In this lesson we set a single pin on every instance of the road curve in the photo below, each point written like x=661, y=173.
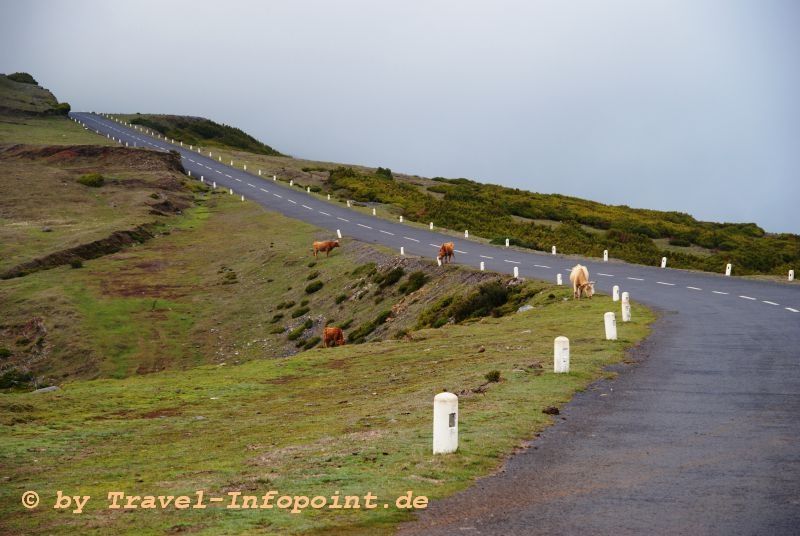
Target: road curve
x=702, y=437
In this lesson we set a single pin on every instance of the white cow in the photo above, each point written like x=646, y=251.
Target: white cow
x=580, y=282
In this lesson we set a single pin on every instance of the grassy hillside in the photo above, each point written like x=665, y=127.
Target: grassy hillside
x=201, y=131
x=20, y=95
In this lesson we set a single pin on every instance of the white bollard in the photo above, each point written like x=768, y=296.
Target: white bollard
x=291, y=182
x=791, y=275
x=259, y=172
x=231, y=191
x=219, y=159
x=663, y=262
x=274, y=177
x=209, y=153
x=466, y=233
x=516, y=272
x=728, y=269
x=554, y=250
x=191, y=148
x=173, y=141
x=401, y=219
x=308, y=189
x=242, y=198
x=126, y=144
x=329, y=197
x=445, y=423
x=374, y=213
x=202, y=179
x=231, y=162
x=611, y=326
x=348, y=203
x=338, y=233
x=605, y=255
x=626, y=307
x=245, y=167
x=431, y=226
x=402, y=250
x=558, y=280
x=561, y=355
x=483, y=266
x=508, y=242
x=214, y=184
x=615, y=293
x=190, y=173
x=438, y=261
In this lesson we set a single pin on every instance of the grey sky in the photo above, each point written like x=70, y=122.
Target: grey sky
x=687, y=105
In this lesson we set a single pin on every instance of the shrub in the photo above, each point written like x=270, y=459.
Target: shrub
x=313, y=287
x=276, y=318
x=92, y=180
x=414, y=282
x=311, y=343
x=276, y=330
x=285, y=305
x=303, y=303
x=76, y=262
x=364, y=270
x=5, y=353
x=15, y=378
x=316, y=189
x=682, y=242
x=492, y=376
x=340, y=298
x=358, y=335
x=300, y=312
x=347, y=324
x=312, y=275
x=296, y=332
x=62, y=108
x=23, y=78
x=312, y=264
x=384, y=172
x=389, y=278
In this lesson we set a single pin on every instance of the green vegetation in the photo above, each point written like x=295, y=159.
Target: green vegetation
x=389, y=277
x=93, y=180
x=314, y=287
x=23, y=78
x=300, y=311
x=492, y=376
x=201, y=131
x=414, y=282
x=359, y=335
x=299, y=330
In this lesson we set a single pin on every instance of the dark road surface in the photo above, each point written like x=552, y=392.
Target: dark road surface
x=701, y=437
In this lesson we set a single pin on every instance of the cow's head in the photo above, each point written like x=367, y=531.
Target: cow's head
x=589, y=288
x=335, y=244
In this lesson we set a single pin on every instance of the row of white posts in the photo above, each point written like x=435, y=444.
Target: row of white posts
x=728, y=266
x=445, y=405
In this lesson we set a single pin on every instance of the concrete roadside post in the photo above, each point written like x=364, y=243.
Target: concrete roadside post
x=605, y=255
x=338, y=233
x=558, y=280
x=554, y=250
x=626, y=307
x=728, y=268
x=445, y=423
x=516, y=272
x=402, y=251
x=663, y=262
x=615, y=293
x=561, y=355
x=610, y=321
x=483, y=266
x=791, y=275
x=431, y=226
x=466, y=233
x=507, y=242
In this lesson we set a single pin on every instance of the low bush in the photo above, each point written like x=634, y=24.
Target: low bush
x=5, y=353
x=92, y=180
x=313, y=287
x=340, y=298
x=300, y=312
x=311, y=343
x=276, y=318
x=389, y=278
x=492, y=376
x=359, y=334
x=299, y=330
x=23, y=78
x=285, y=305
x=312, y=275
x=414, y=282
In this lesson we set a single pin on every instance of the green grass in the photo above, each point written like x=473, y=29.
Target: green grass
x=353, y=419
x=24, y=97
x=47, y=131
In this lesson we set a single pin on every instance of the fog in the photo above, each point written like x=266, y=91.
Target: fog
x=687, y=105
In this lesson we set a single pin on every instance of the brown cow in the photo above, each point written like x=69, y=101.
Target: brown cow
x=580, y=282
x=326, y=246
x=332, y=336
x=446, y=252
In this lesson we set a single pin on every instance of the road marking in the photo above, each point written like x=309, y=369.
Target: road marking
x=606, y=275
x=512, y=262
x=218, y=171
x=306, y=206
x=747, y=297
x=251, y=185
x=293, y=202
x=229, y=176
x=364, y=226
x=386, y=232
x=486, y=257
x=718, y=292
x=459, y=251
x=668, y=284
x=433, y=245
x=324, y=213
x=542, y=266
x=635, y=278
x=276, y=195
x=694, y=288
x=338, y=218
x=792, y=310
x=769, y=302
x=237, y=180
x=263, y=190
x=412, y=239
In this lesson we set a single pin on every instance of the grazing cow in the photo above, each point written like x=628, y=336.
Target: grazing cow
x=332, y=337
x=580, y=282
x=446, y=252
x=326, y=246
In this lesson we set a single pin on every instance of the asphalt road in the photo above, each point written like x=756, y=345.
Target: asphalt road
x=701, y=437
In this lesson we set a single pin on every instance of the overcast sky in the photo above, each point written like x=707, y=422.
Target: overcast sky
x=688, y=105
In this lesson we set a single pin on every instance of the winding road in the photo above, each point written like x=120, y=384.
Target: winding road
x=701, y=437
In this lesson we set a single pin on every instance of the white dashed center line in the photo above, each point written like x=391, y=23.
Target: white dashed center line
x=747, y=298
x=604, y=275
x=293, y=202
x=542, y=266
x=364, y=226
x=769, y=302
x=635, y=278
x=486, y=257
x=276, y=195
x=433, y=245
x=694, y=288
x=306, y=206
x=325, y=213
x=412, y=239
x=718, y=292
x=263, y=190
x=338, y=218
x=792, y=310
x=251, y=185
x=459, y=251
x=668, y=284
x=386, y=232
x=512, y=262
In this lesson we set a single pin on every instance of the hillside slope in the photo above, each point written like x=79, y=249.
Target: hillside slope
x=26, y=98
